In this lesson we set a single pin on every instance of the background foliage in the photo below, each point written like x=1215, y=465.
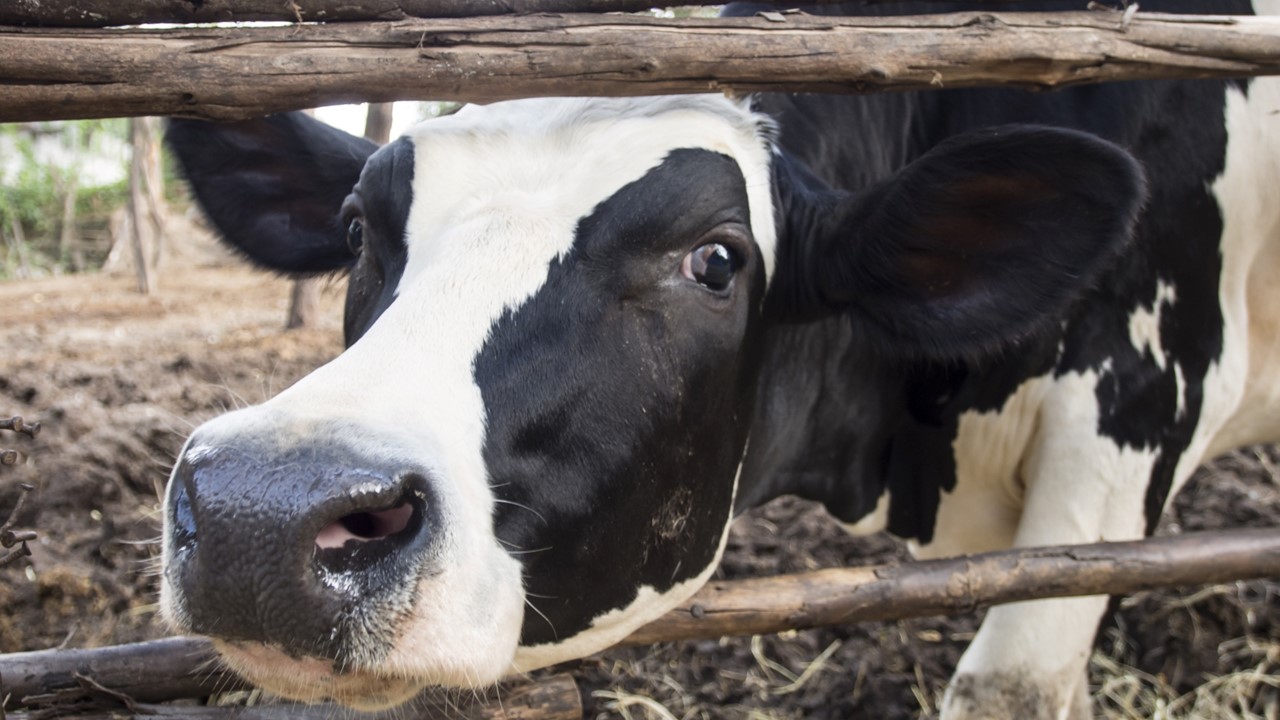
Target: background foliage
x=55, y=174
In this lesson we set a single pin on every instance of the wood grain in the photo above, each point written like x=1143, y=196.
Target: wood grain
x=235, y=73
x=108, y=13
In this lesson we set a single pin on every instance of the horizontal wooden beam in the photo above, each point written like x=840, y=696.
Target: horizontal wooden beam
x=550, y=698
x=235, y=73
x=186, y=667
x=109, y=13
x=951, y=586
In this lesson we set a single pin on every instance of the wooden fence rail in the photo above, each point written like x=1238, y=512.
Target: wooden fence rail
x=551, y=698
x=231, y=73
x=185, y=667
x=108, y=13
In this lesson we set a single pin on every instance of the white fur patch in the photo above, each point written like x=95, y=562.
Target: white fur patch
x=1243, y=393
x=982, y=512
x=1144, y=324
x=518, y=176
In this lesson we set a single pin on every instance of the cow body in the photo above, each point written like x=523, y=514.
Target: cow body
x=1080, y=436
x=584, y=333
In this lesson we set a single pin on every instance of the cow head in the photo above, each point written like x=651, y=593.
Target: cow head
x=554, y=319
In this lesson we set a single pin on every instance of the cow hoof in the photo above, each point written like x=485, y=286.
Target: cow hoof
x=1013, y=696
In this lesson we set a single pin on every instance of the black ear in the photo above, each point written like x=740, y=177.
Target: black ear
x=274, y=186
x=982, y=241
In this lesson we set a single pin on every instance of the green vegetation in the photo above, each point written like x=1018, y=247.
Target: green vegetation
x=60, y=183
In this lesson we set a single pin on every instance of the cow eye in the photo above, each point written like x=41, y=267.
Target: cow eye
x=711, y=265
x=355, y=236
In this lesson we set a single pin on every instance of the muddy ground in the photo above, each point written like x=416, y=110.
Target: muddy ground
x=117, y=379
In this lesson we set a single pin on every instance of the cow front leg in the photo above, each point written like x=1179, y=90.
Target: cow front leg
x=1013, y=669
x=1029, y=660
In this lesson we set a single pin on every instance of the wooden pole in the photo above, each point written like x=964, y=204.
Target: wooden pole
x=153, y=192
x=951, y=586
x=153, y=671
x=185, y=667
x=304, y=303
x=108, y=13
x=377, y=122
x=146, y=223
x=235, y=73
x=553, y=698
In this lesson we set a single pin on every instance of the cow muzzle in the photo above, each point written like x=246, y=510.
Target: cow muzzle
x=290, y=548
x=321, y=564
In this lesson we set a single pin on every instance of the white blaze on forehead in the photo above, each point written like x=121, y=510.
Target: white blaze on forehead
x=499, y=189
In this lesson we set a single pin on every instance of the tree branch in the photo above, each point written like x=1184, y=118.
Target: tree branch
x=552, y=698
x=108, y=13
x=959, y=585
x=186, y=667
x=242, y=72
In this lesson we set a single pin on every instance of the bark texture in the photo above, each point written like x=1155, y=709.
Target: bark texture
x=235, y=73
x=552, y=698
x=106, y=13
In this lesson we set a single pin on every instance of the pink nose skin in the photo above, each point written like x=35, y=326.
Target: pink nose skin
x=365, y=526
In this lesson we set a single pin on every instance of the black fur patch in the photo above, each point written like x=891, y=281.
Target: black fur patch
x=381, y=201
x=618, y=400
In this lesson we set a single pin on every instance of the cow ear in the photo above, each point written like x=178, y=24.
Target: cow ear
x=274, y=186
x=982, y=241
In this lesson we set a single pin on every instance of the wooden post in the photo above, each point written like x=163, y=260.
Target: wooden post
x=68, y=185
x=377, y=122
x=304, y=303
x=145, y=212
x=153, y=186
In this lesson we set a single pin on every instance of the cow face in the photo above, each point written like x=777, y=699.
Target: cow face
x=546, y=310
x=555, y=313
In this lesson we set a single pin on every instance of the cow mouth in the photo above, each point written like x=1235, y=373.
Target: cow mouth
x=314, y=679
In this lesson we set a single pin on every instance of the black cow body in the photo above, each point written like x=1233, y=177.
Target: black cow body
x=584, y=333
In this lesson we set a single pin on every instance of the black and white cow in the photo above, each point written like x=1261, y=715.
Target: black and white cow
x=584, y=334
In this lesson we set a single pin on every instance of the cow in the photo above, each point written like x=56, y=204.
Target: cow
x=583, y=334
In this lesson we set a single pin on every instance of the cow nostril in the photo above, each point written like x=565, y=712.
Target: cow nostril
x=182, y=517
x=366, y=526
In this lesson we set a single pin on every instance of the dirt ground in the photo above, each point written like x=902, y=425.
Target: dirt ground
x=117, y=379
